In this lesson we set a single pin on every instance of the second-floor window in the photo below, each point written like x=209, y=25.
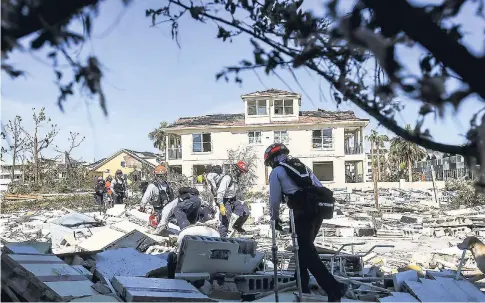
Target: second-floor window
x=257, y=108
x=201, y=143
x=283, y=107
x=322, y=138
x=254, y=137
x=281, y=136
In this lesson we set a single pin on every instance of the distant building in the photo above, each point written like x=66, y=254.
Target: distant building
x=125, y=159
x=330, y=143
x=6, y=174
x=445, y=166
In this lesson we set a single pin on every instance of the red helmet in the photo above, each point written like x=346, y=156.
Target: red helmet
x=160, y=170
x=243, y=166
x=273, y=150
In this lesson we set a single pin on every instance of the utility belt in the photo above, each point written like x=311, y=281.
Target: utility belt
x=312, y=201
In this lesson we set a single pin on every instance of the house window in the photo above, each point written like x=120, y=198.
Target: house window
x=254, y=137
x=281, y=136
x=323, y=170
x=123, y=164
x=257, y=108
x=283, y=107
x=322, y=139
x=201, y=143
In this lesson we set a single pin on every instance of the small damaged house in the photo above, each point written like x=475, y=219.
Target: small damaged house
x=329, y=142
x=127, y=160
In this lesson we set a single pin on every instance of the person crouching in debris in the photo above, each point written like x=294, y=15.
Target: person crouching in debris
x=118, y=187
x=185, y=208
x=99, y=190
x=228, y=203
x=293, y=181
x=158, y=193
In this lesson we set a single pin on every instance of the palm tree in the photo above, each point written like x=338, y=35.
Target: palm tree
x=158, y=136
x=406, y=152
x=380, y=140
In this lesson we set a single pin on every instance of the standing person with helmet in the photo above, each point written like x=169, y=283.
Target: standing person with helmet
x=118, y=187
x=294, y=182
x=158, y=193
x=228, y=203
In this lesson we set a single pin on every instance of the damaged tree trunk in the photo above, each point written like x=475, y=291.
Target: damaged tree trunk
x=374, y=177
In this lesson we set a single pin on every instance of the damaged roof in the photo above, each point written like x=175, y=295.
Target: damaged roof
x=140, y=156
x=268, y=92
x=306, y=117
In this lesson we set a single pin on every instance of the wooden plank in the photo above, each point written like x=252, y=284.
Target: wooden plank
x=399, y=297
x=428, y=292
x=450, y=285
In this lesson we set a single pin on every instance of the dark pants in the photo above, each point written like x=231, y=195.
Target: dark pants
x=236, y=207
x=307, y=225
x=187, y=212
x=99, y=199
x=118, y=198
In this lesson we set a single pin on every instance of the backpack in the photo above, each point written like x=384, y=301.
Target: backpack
x=217, y=183
x=164, y=194
x=119, y=187
x=100, y=189
x=319, y=199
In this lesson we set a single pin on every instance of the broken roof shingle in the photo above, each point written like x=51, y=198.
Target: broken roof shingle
x=271, y=91
x=306, y=117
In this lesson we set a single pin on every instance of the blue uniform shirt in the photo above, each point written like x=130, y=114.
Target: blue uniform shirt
x=281, y=184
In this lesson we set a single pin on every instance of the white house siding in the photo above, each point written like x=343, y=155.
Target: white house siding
x=300, y=145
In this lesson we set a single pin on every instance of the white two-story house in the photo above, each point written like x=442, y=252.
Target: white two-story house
x=330, y=143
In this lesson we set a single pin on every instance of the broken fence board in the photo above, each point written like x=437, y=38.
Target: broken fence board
x=399, y=297
x=428, y=292
x=136, y=289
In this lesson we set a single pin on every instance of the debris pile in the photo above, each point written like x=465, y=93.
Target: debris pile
x=407, y=251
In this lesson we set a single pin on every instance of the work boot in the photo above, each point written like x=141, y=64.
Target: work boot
x=239, y=229
x=338, y=295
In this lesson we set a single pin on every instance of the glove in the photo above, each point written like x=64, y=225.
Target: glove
x=278, y=225
x=222, y=209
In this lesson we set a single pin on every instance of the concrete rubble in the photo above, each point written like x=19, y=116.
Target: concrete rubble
x=406, y=252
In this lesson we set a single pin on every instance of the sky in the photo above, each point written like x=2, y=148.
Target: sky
x=149, y=79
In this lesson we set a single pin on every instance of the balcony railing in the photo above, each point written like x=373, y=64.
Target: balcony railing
x=354, y=150
x=174, y=153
